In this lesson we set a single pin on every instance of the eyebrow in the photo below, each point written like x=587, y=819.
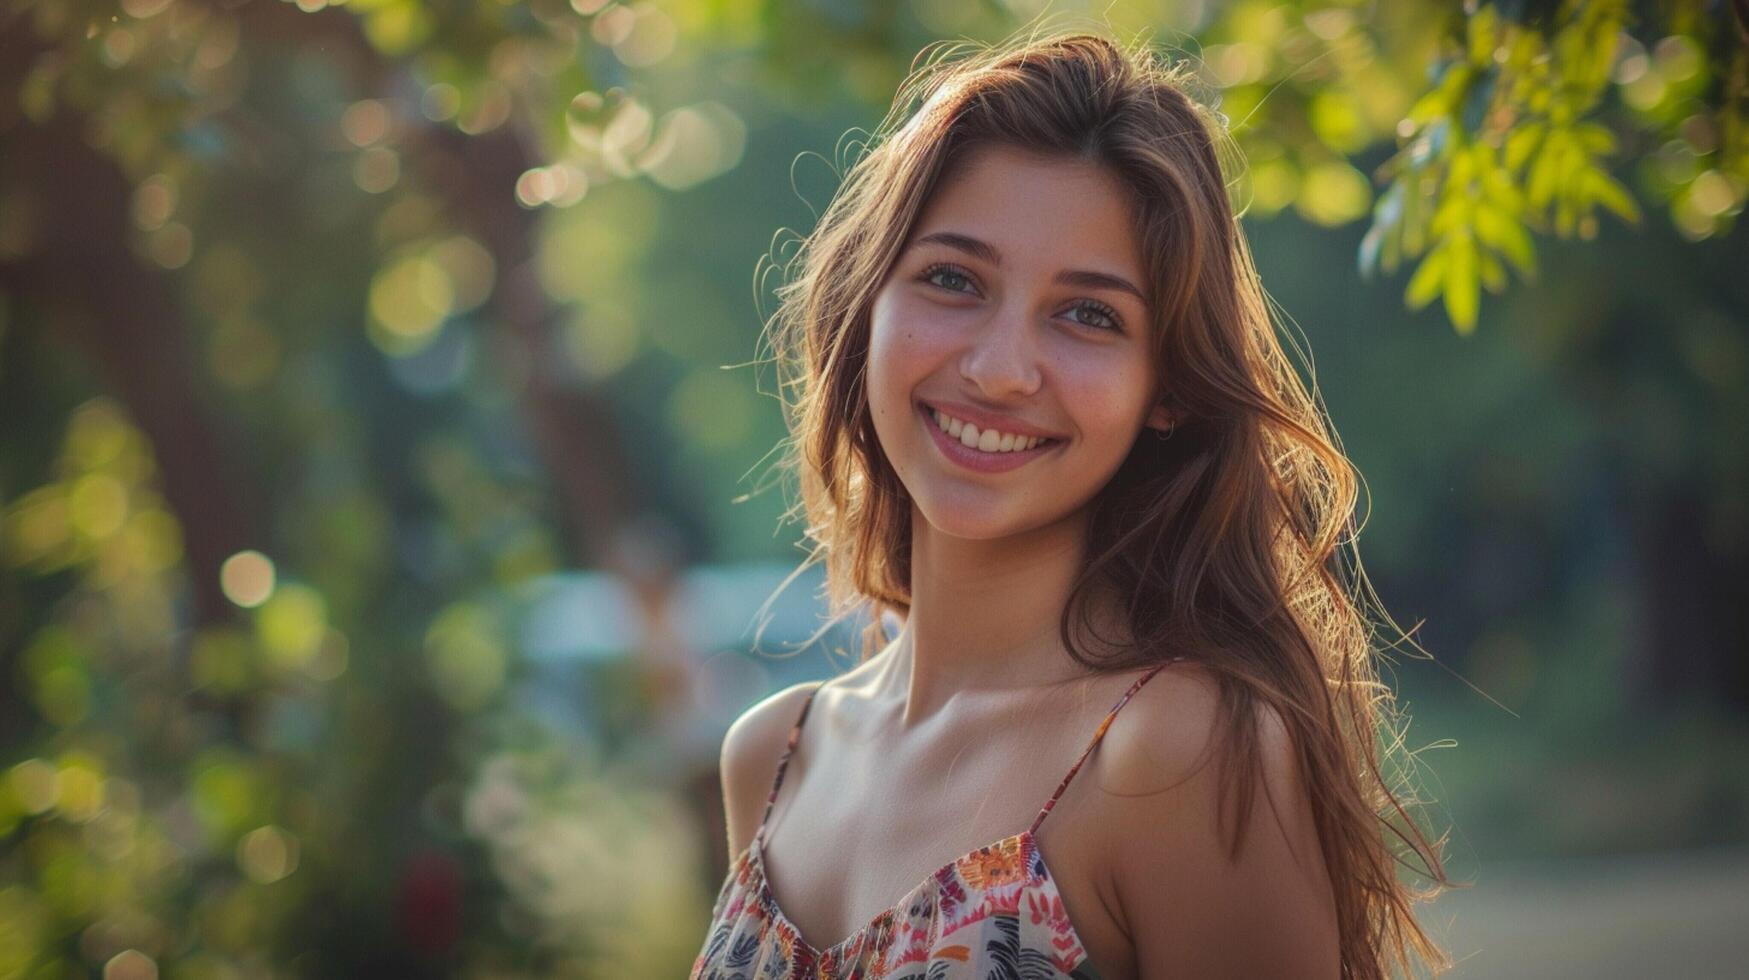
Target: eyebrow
x=987, y=252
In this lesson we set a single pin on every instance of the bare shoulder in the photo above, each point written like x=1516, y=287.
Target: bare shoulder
x=1164, y=735
x=1171, y=736
x=1191, y=905
x=751, y=749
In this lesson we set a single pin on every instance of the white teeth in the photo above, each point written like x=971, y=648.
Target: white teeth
x=989, y=440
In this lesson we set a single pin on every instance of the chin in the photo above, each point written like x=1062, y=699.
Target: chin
x=971, y=517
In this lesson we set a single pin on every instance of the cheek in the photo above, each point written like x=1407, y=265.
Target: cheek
x=1104, y=393
x=905, y=343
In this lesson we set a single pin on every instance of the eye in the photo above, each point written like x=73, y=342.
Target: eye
x=946, y=271
x=1109, y=315
x=943, y=274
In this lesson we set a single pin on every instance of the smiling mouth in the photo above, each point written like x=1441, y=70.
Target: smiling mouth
x=993, y=443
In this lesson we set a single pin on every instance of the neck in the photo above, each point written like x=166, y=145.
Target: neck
x=985, y=614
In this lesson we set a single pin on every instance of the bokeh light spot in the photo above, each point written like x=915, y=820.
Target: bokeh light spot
x=1679, y=58
x=172, y=245
x=247, y=578
x=102, y=438
x=79, y=792
x=36, y=784
x=650, y=39
x=291, y=625
x=226, y=793
x=470, y=270
x=60, y=678
x=119, y=46
x=376, y=170
x=1333, y=193
x=154, y=202
x=145, y=8
x=267, y=854
x=1712, y=193
x=397, y=28
x=613, y=25
x=1274, y=184
x=491, y=107
x=440, y=101
x=130, y=964
x=408, y=299
x=466, y=656
x=694, y=144
x=536, y=187
x=603, y=341
x=364, y=122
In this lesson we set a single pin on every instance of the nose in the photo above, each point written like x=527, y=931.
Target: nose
x=1003, y=359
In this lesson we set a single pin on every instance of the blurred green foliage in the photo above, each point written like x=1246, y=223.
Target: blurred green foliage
x=328, y=332
x=1507, y=141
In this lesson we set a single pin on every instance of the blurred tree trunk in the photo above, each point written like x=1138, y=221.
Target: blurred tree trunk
x=1696, y=603
x=125, y=320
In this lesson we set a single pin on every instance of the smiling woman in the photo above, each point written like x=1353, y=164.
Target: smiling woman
x=1046, y=254
x=1039, y=246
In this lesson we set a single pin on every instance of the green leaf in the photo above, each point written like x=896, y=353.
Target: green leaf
x=1429, y=107
x=1455, y=208
x=1461, y=286
x=1392, y=254
x=1501, y=232
x=1484, y=34
x=1574, y=160
x=1414, y=216
x=1544, y=177
x=1370, y=244
x=1498, y=188
x=1522, y=142
x=1566, y=216
x=1463, y=164
x=1604, y=189
x=1598, y=139
x=1425, y=283
x=1493, y=273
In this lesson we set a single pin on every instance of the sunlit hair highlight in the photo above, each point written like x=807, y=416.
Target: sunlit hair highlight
x=1232, y=543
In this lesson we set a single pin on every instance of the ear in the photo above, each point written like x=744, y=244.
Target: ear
x=1161, y=418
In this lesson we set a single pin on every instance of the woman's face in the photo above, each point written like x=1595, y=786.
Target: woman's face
x=1014, y=306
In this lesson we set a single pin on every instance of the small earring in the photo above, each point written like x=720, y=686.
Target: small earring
x=1166, y=433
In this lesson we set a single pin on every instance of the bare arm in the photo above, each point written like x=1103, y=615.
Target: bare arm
x=1191, y=909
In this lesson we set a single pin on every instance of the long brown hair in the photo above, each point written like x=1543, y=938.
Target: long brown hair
x=1231, y=543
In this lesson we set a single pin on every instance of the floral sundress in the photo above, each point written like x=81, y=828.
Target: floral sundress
x=993, y=913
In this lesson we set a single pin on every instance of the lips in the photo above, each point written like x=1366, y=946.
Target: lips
x=976, y=459
x=989, y=420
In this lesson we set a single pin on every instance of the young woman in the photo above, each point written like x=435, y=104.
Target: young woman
x=1043, y=418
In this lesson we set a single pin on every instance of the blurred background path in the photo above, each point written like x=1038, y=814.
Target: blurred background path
x=1635, y=917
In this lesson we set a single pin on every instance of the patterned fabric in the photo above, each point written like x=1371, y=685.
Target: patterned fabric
x=992, y=914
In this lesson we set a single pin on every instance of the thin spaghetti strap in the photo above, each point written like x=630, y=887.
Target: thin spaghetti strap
x=795, y=734
x=1094, y=743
